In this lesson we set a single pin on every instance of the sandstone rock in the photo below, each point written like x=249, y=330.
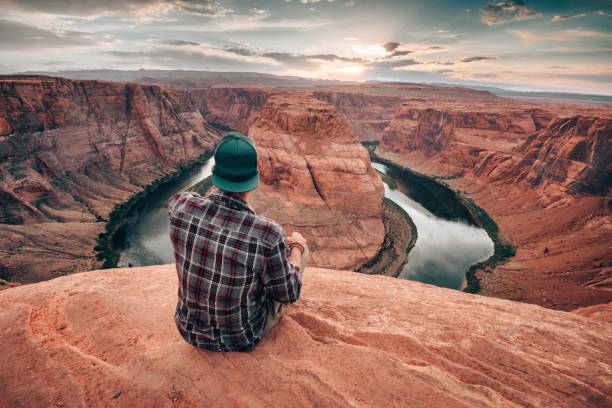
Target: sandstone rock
x=602, y=312
x=351, y=340
x=317, y=179
x=574, y=152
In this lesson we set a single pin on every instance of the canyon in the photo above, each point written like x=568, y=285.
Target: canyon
x=541, y=171
x=72, y=150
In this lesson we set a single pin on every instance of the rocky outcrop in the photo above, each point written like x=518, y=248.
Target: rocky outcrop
x=108, y=337
x=317, y=179
x=575, y=152
x=542, y=173
x=71, y=150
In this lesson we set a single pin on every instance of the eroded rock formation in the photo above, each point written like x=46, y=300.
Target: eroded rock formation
x=106, y=338
x=317, y=179
x=71, y=150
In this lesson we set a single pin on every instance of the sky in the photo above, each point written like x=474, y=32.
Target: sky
x=562, y=45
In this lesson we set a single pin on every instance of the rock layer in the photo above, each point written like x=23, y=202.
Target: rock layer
x=351, y=340
x=316, y=178
x=71, y=150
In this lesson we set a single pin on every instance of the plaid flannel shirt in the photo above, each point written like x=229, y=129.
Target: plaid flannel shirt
x=228, y=261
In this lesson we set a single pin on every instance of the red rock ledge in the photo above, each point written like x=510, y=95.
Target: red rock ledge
x=351, y=340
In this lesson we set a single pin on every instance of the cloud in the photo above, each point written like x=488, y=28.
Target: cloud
x=393, y=64
x=249, y=22
x=474, y=59
x=310, y=61
x=566, y=35
x=390, y=46
x=210, y=59
x=561, y=18
x=240, y=49
x=400, y=53
x=16, y=36
x=138, y=8
x=181, y=43
x=505, y=11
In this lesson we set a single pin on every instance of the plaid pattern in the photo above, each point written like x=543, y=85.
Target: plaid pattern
x=228, y=261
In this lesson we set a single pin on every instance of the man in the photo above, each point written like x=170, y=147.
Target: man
x=235, y=269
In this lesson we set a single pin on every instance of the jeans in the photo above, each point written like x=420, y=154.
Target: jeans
x=275, y=309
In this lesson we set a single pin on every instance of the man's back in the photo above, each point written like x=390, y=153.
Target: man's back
x=228, y=261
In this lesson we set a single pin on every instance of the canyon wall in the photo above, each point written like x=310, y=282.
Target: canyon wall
x=71, y=150
x=367, y=114
x=107, y=338
x=316, y=178
x=236, y=108
x=543, y=173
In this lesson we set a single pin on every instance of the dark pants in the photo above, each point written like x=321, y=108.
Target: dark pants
x=275, y=309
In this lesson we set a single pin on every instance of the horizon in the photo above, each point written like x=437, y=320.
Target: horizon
x=524, y=46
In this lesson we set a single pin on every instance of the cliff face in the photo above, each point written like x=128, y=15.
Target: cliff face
x=575, y=152
x=460, y=135
x=350, y=340
x=542, y=173
x=236, y=108
x=70, y=150
x=317, y=179
x=367, y=114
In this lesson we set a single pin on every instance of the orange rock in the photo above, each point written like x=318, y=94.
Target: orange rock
x=351, y=340
x=317, y=179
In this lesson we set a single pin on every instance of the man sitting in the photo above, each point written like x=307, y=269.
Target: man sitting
x=235, y=269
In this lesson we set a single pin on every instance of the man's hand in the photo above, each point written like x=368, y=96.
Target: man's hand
x=297, y=256
x=297, y=238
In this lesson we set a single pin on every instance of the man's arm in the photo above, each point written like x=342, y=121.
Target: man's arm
x=283, y=274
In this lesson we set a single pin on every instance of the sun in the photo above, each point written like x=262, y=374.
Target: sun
x=351, y=69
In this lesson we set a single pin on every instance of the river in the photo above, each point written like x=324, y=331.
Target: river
x=443, y=251
x=147, y=240
x=444, y=248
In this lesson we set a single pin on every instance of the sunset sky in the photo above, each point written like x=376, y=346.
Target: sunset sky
x=524, y=45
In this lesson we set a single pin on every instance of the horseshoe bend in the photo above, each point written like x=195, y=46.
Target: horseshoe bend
x=78, y=156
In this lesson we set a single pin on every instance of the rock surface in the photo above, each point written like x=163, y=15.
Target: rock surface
x=351, y=340
x=316, y=178
x=70, y=151
x=542, y=173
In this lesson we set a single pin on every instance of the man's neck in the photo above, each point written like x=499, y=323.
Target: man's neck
x=243, y=196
